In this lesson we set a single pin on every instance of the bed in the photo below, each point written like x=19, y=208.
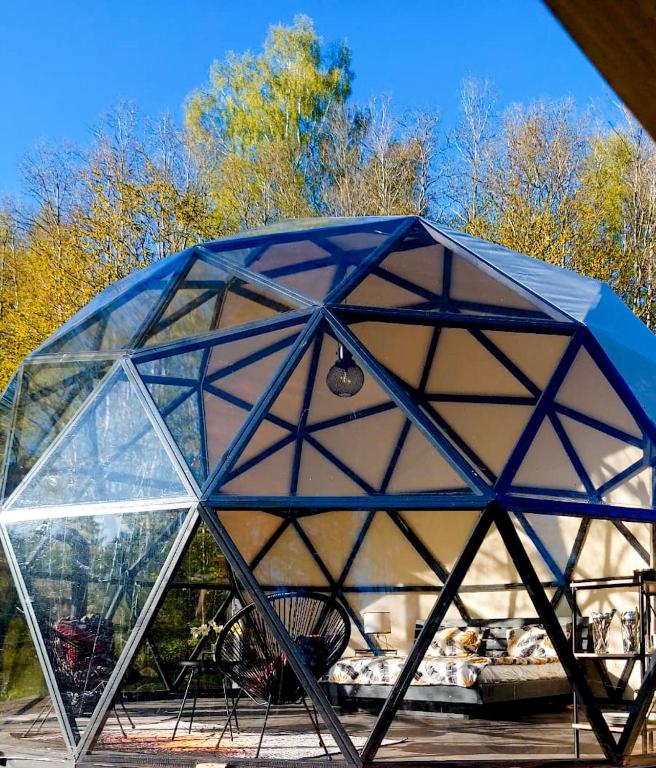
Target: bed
x=488, y=677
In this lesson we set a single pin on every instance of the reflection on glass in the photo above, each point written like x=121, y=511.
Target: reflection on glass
x=88, y=579
x=177, y=645
x=50, y=395
x=315, y=264
x=205, y=395
x=112, y=453
x=27, y=719
x=6, y=403
x=208, y=298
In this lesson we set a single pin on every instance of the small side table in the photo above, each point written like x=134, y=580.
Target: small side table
x=192, y=669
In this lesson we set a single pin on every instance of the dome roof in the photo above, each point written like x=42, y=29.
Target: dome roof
x=480, y=374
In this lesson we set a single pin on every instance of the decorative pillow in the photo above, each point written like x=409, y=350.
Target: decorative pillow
x=453, y=641
x=530, y=641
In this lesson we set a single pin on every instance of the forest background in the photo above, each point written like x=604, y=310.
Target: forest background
x=276, y=135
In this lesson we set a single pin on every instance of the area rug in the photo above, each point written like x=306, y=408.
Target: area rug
x=275, y=746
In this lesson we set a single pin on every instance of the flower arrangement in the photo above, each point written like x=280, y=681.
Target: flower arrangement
x=204, y=630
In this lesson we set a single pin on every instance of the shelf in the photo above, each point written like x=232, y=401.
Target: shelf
x=609, y=656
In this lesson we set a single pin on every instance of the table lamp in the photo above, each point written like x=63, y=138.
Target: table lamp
x=377, y=624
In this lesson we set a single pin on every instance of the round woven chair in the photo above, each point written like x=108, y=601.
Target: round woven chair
x=248, y=653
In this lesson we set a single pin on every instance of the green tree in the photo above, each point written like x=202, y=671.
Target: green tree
x=256, y=127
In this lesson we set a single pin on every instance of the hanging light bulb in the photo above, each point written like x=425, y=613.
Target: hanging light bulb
x=345, y=378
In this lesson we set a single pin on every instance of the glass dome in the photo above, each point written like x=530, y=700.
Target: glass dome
x=364, y=408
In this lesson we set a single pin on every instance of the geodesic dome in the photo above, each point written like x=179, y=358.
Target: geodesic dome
x=317, y=392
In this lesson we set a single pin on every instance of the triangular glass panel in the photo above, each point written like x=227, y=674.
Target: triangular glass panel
x=6, y=412
x=116, y=318
x=200, y=594
x=88, y=578
x=421, y=273
x=182, y=642
x=315, y=263
x=206, y=394
x=111, y=452
x=209, y=298
x=312, y=442
x=326, y=553
x=50, y=395
x=27, y=717
x=476, y=661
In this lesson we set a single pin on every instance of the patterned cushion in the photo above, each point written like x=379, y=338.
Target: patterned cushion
x=530, y=641
x=453, y=641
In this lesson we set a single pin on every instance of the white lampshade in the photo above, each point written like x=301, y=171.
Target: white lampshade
x=377, y=622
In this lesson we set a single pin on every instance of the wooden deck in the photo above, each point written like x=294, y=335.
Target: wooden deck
x=414, y=736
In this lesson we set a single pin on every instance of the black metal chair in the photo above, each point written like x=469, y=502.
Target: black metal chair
x=248, y=653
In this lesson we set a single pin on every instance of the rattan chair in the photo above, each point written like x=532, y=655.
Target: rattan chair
x=248, y=653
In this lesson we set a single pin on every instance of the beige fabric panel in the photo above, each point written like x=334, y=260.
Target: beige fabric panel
x=636, y=491
x=586, y=389
x=319, y=477
x=421, y=468
x=603, y=456
x=333, y=535
x=422, y=266
x=399, y=347
x=239, y=310
x=223, y=356
x=387, y=557
x=557, y=533
x=271, y=476
x=492, y=563
x=374, y=291
x=365, y=445
x=222, y=422
x=463, y=366
x=546, y=465
x=469, y=283
x=249, y=530
x=491, y=431
x=535, y=354
x=289, y=563
x=606, y=553
x=444, y=534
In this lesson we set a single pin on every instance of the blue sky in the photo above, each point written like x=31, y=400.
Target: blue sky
x=63, y=64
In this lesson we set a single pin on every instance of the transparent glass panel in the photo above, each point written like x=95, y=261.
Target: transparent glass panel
x=179, y=641
x=205, y=395
x=420, y=273
x=155, y=277
x=27, y=719
x=208, y=298
x=116, y=318
x=314, y=554
x=6, y=404
x=315, y=442
x=480, y=663
x=50, y=395
x=186, y=678
x=88, y=579
x=110, y=453
x=315, y=264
